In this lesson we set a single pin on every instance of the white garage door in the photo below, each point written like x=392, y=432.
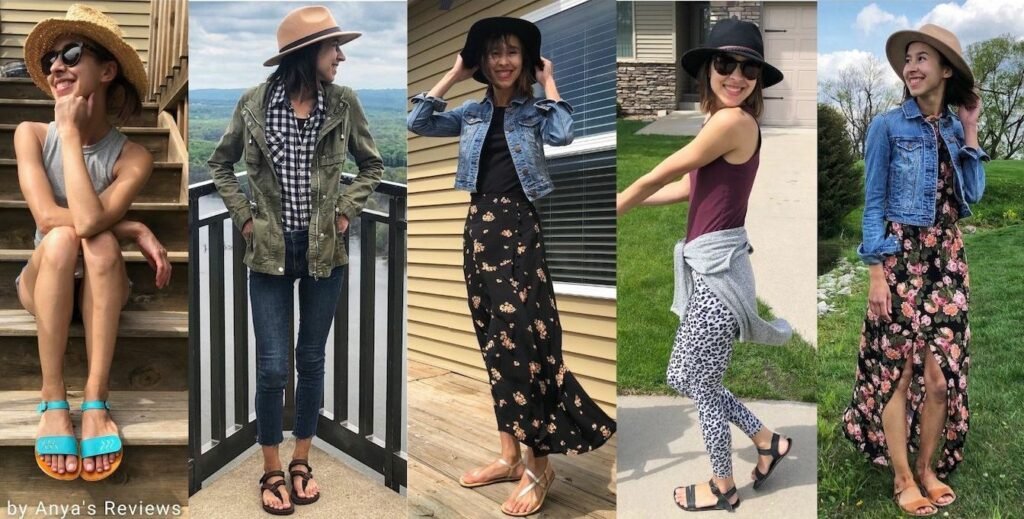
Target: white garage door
x=790, y=41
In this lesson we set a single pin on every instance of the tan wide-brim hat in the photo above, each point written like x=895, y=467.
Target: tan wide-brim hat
x=944, y=41
x=87, y=21
x=305, y=26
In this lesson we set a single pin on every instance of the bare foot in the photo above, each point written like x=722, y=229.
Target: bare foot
x=519, y=505
x=95, y=423
x=278, y=500
x=703, y=496
x=57, y=422
x=494, y=470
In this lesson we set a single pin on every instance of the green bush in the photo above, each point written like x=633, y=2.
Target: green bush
x=839, y=180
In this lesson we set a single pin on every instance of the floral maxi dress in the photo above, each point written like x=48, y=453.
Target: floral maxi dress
x=930, y=288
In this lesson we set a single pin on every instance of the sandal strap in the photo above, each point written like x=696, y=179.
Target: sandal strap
x=89, y=405
x=299, y=461
x=271, y=474
x=45, y=406
x=723, y=497
x=272, y=487
x=691, y=496
x=773, y=451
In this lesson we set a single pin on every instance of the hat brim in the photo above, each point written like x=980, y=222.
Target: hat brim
x=46, y=32
x=526, y=31
x=695, y=59
x=896, y=52
x=344, y=37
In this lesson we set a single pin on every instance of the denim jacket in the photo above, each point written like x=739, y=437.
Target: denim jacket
x=529, y=124
x=901, y=164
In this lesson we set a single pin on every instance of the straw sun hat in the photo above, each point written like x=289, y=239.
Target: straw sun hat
x=305, y=26
x=87, y=21
x=941, y=39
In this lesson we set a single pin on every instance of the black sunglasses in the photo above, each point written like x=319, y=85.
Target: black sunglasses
x=71, y=54
x=725, y=65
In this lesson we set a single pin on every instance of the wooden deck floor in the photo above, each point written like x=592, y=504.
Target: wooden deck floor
x=451, y=430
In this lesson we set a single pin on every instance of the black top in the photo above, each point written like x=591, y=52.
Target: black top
x=301, y=122
x=497, y=173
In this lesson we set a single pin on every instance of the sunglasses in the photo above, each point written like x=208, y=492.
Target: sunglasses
x=725, y=65
x=70, y=55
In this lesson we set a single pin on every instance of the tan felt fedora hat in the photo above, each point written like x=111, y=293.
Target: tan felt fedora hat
x=944, y=41
x=305, y=26
x=87, y=21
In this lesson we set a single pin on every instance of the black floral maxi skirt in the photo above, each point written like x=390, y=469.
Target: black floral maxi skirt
x=930, y=286
x=536, y=398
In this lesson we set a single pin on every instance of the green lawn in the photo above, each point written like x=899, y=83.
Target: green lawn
x=990, y=482
x=646, y=326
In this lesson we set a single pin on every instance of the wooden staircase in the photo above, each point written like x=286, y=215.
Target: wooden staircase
x=149, y=393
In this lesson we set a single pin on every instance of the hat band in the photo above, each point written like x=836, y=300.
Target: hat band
x=745, y=49
x=306, y=39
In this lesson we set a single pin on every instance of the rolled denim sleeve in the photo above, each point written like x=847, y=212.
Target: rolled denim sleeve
x=429, y=119
x=974, y=173
x=556, y=128
x=876, y=181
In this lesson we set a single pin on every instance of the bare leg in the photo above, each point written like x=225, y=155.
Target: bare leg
x=50, y=277
x=301, y=452
x=272, y=461
x=933, y=421
x=104, y=291
x=541, y=467
x=510, y=452
x=894, y=423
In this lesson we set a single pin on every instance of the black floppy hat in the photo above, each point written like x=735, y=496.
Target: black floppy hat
x=734, y=37
x=528, y=33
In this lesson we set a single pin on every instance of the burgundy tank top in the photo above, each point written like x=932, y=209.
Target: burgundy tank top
x=719, y=193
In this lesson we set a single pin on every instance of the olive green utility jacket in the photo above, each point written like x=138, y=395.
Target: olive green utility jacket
x=344, y=130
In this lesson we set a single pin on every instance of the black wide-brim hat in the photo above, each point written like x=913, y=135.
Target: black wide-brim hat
x=527, y=32
x=732, y=36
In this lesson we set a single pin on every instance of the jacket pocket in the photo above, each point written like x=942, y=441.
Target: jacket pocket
x=905, y=168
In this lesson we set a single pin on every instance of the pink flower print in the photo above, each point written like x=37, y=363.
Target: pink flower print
x=917, y=282
x=950, y=310
x=908, y=309
x=946, y=280
x=886, y=386
x=930, y=241
x=953, y=266
x=917, y=269
x=930, y=307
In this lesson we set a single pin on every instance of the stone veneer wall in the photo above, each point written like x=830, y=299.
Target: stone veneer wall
x=747, y=11
x=645, y=88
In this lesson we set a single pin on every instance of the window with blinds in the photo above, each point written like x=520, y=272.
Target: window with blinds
x=579, y=216
x=624, y=37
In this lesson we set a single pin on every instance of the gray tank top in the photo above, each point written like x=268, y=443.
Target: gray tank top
x=99, y=161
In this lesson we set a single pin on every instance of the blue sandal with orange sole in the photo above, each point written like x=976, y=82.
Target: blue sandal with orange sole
x=100, y=445
x=65, y=445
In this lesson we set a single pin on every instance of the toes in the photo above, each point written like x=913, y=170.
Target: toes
x=88, y=465
x=71, y=463
x=60, y=465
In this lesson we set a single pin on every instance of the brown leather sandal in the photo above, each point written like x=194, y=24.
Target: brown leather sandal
x=273, y=488
x=911, y=507
x=306, y=476
x=936, y=492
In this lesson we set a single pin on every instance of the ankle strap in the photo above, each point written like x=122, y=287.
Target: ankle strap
x=45, y=406
x=95, y=404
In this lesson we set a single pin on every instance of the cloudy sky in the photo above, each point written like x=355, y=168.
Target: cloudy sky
x=229, y=41
x=849, y=31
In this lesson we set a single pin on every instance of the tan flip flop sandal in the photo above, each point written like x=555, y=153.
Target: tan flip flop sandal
x=545, y=481
x=501, y=479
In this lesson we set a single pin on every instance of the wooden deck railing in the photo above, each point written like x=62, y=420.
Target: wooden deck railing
x=168, y=60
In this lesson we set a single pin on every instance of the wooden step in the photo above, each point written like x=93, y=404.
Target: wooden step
x=164, y=183
x=154, y=139
x=169, y=221
x=14, y=111
x=154, y=428
x=20, y=88
x=152, y=324
x=144, y=295
x=145, y=417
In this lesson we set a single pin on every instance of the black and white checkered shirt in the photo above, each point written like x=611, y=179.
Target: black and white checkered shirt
x=292, y=150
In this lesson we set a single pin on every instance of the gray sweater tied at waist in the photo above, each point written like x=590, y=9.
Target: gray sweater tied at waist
x=723, y=259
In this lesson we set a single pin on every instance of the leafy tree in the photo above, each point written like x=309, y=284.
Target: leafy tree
x=998, y=66
x=839, y=180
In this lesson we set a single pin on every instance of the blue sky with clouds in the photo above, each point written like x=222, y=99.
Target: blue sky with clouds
x=229, y=41
x=850, y=30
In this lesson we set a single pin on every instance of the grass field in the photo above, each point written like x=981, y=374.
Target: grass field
x=646, y=326
x=990, y=482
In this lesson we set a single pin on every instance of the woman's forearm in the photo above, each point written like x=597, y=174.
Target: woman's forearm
x=672, y=193
x=84, y=204
x=443, y=86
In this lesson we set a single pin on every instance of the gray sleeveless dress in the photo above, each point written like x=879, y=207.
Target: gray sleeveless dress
x=99, y=161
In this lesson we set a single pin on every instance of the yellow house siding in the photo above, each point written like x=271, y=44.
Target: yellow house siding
x=18, y=17
x=655, y=32
x=440, y=329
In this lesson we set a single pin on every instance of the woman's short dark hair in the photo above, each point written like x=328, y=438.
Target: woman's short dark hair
x=753, y=104
x=959, y=90
x=297, y=70
x=524, y=83
x=123, y=101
